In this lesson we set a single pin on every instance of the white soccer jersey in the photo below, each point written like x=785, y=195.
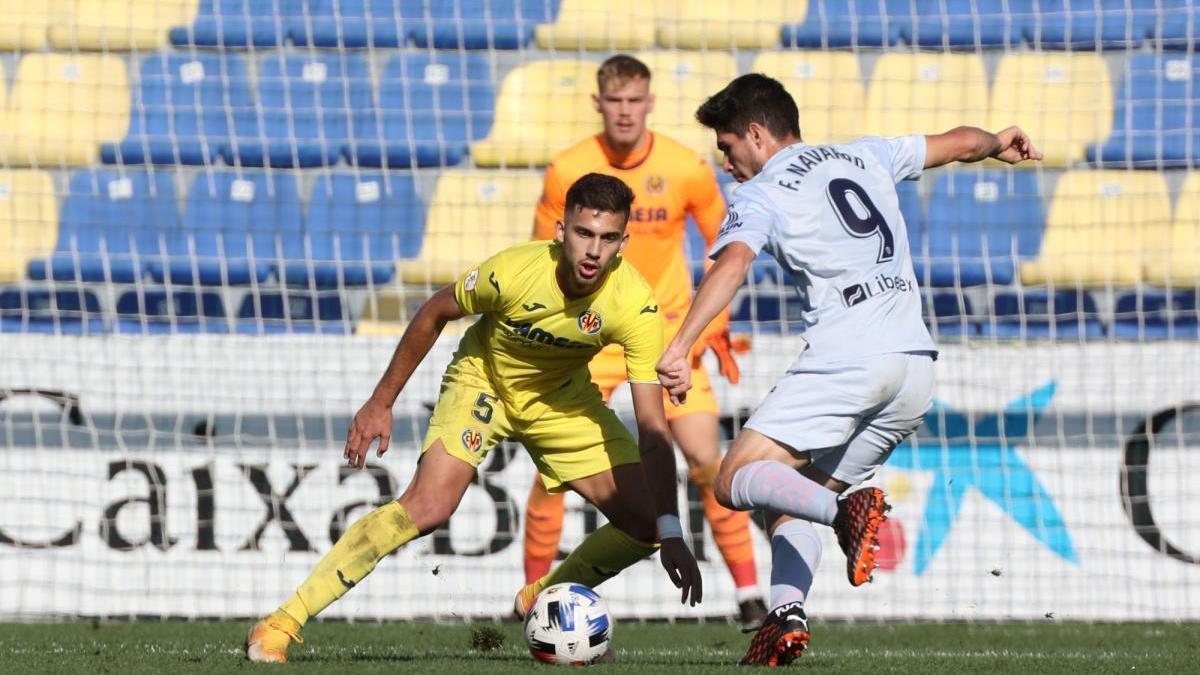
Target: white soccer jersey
x=830, y=216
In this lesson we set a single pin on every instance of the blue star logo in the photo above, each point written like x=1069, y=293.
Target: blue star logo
x=981, y=453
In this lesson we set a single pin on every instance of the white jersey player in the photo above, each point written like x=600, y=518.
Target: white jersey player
x=831, y=217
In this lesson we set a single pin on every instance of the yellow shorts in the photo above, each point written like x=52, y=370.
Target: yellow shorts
x=470, y=420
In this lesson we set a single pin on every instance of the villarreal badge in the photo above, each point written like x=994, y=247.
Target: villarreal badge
x=656, y=184
x=472, y=440
x=590, y=322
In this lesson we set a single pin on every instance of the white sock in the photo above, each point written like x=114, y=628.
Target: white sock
x=795, y=554
x=775, y=486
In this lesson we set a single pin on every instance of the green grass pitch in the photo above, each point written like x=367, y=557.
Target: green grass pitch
x=215, y=647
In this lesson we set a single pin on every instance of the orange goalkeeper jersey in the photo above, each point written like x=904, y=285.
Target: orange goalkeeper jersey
x=668, y=181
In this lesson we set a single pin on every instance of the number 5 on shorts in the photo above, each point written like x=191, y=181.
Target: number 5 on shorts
x=483, y=407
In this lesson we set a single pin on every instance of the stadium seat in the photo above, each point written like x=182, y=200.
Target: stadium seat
x=925, y=93
x=1178, y=266
x=238, y=23
x=182, y=107
x=543, y=107
x=355, y=23
x=359, y=224
x=827, y=87
x=119, y=25
x=155, y=311
x=1179, y=27
x=267, y=312
x=1156, y=121
x=303, y=114
x=114, y=223
x=431, y=106
x=28, y=220
x=473, y=214
x=233, y=227
x=607, y=26
x=1101, y=229
x=1055, y=315
x=1063, y=100
x=1086, y=24
x=60, y=310
x=681, y=81
x=23, y=25
x=482, y=24
x=718, y=24
x=979, y=225
x=760, y=312
x=949, y=316
x=1157, y=315
x=63, y=106
x=969, y=24
x=837, y=23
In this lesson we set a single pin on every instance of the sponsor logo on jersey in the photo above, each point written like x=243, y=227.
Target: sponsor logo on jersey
x=590, y=322
x=472, y=440
x=525, y=332
x=880, y=285
x=732, y=222
x=470, y=281
x=648, y=214
x=649, y=309
x=533, y=306
x=656, y=185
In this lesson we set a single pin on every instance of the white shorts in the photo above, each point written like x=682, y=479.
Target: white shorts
x=848, y=416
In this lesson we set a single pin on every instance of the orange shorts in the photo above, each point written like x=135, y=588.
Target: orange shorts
x=608, y=372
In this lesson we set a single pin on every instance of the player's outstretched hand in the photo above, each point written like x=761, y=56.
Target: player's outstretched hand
x=681, y=566
x=1016, y=147
x=675, y=374
x=373, y=420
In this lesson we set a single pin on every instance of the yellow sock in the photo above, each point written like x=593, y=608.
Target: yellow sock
x=600, y=557
x=351, y=559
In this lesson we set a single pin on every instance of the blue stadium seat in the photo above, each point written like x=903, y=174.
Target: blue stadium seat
x=949, y=316
x=483, y=24
x=238, y=23
x=304, y=111
x=156, y=311
x=112, y=224
x=293, y=312
x=1062, y=315
x=181, y=109
x=1180, y=24
x=970, y=24
x=356, y=23
x=863, y=23
x=1085, y=24
x=61, y=310
x=1156, y=120
x=431, y=106
x=358, y=226
x=1157, y=315
x=232, y=228
x=758, y=313
x=980, y=225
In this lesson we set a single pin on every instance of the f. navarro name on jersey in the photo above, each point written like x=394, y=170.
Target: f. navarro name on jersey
x=528, y=335
x=809, y=159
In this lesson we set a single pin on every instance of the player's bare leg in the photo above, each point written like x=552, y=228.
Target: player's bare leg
x=429, y=500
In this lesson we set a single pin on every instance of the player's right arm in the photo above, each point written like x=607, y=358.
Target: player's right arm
x=552, y=203
x=971, y=144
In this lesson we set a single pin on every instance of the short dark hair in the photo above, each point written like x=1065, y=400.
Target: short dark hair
x=620, y=68
x=753, y=97
x=598, y=192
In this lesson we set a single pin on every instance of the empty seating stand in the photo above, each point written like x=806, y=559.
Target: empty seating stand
x=238, y=23
x=1156, y=119
x=60, y=310
x=1039, y=315
x=28, y=220
x=157, y=311
x=293, y=311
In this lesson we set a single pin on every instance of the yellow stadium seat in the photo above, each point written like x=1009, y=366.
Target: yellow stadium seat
x=827, y=87
x=23, y=24
x=720, y=24
x=542, y=107
x=600, y=26
x=28, y=220
x=1063, y=100
x=473, y=215
x=680, y=82
x=925, y=93
x=1179, y=265
x=119, y=24
x=63, y=106
x=1102, y=229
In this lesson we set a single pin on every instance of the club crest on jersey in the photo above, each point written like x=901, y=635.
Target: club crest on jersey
x=472, y=440
x=656, y=184
x=590, y=322
x=472, y=278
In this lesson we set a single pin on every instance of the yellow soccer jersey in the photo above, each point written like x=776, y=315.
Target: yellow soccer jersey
x=534, y=345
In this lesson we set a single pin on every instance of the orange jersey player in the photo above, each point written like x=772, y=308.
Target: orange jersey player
x=670, y=182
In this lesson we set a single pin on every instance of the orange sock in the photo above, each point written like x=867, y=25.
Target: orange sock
x=731, y=529
x=543, y=529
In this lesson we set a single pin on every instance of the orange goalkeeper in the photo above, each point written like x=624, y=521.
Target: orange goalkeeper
x=669, y=181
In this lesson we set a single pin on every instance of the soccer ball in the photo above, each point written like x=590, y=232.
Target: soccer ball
x=569, y=624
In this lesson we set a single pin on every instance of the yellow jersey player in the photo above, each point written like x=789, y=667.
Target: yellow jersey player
x=521, y=372
x=669, y=181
